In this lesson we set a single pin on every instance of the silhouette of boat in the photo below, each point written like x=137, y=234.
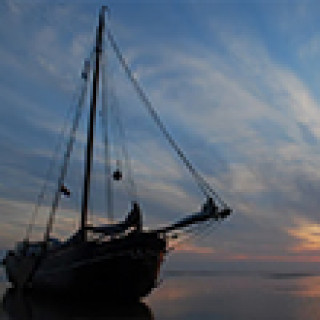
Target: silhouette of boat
x=18, y=305
x=122, y=257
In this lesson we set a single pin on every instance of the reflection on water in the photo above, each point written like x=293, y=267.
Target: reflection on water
x=19, y=306
x=307, y=286
x=191, y=296
x=285, y=296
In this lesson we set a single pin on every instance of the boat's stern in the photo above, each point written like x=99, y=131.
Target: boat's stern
x=19, y=269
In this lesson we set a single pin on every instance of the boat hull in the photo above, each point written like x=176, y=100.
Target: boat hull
x=125, y=269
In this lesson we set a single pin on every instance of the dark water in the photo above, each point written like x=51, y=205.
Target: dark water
x=191, y=295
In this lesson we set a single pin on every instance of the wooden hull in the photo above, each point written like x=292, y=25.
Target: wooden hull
x=121, y=269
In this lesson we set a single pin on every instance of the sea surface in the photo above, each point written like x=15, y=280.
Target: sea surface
x=189, y=295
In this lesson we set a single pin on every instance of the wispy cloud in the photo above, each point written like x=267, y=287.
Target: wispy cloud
x=307, y=235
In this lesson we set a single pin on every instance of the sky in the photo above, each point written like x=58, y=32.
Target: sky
x=235, y=82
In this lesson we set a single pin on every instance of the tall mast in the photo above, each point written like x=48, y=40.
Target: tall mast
x=91, y=124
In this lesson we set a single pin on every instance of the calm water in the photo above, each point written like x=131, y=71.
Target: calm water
x=192, y=296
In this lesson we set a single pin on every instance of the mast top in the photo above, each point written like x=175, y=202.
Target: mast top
x=104, y=10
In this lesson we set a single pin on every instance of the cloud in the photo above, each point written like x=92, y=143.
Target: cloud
x=307, y=235
x=62, y=62
x=13, y=7
x=245, y=180
x=311, y=48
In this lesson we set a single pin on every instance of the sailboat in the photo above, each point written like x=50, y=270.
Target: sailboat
x=121, y=259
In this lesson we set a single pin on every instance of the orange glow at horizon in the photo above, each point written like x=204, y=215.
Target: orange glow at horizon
x=273, y=258
x=308, y=235
x=190, y=248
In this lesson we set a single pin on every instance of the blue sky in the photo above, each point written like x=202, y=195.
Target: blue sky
x=235, y=82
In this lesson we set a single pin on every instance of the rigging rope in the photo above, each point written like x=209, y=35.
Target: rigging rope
x=204, y=186
x=112, y=122
x=131, y=187
x=195, y=232
x=105, y=127
x=67, y=155
x=50, y=169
